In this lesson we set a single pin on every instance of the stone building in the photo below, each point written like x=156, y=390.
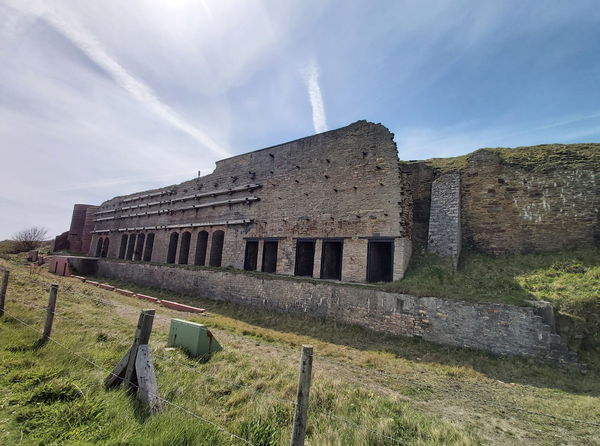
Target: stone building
x=340, y=205
x=331, y=206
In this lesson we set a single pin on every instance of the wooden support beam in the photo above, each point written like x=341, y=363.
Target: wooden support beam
x=148, y=387
x=136, y=369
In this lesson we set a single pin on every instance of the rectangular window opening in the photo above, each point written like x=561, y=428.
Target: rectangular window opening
x=380, y=261
x=305, y=258
x=269, y=263
x=251, y=256
x=331, y=260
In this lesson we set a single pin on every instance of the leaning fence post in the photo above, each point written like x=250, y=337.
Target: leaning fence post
x=301, y=415
x=50, y=313
x=3, y=290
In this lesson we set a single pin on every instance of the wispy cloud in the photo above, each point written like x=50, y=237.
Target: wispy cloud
x=315, y=96
x=94, y=49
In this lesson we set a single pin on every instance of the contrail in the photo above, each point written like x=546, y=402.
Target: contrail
x=94, y=49
x=316, y=99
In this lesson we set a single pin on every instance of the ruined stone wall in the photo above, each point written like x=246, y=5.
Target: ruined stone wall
x=501, y=329
x=343, y=184
x=507, y=208
x=419, y=177
x=444, y=224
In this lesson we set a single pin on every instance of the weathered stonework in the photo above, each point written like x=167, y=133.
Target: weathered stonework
x=500, y=329
x=341, y=191
x=444, y=222
x=506, y=208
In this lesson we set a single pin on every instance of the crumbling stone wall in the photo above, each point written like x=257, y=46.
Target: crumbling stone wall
x=506, y=208
x=419, y=177
x=343, y=185
x=500, y=329
x=444, y=222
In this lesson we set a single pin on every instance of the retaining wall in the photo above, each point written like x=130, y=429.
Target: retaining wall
x=500, y=329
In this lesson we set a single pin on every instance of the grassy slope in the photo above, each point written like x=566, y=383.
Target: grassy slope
x=534, y=158
x=569, y=280
x=48, y=396
x=416, y=391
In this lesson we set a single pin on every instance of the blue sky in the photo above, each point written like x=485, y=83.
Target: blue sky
x=105, y=98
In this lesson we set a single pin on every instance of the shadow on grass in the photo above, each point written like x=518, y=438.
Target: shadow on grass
x=506, y=369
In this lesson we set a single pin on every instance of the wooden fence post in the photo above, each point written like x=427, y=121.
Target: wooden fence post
x=50, y=313
x=136, y=369
x=301, y=415
x=3, y=290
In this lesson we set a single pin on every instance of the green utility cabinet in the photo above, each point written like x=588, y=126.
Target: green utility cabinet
x=194, y=338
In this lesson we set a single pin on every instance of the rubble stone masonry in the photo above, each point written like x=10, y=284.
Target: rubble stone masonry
x=500, y=329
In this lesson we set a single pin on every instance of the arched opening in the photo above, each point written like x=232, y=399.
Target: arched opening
x=216, y=248
x=104, y=252
x=99, y=247
x=184, y=249
x=139, y=247
x=123, y=247
x=201, y=245
x=148, y=248
x=172, y=247
x=131, y=247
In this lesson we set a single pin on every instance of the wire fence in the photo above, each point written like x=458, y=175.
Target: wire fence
x=315, y=410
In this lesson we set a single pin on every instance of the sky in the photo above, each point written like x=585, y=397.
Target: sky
x=106, y=98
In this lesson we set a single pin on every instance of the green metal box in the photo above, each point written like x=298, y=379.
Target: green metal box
x=194, y=338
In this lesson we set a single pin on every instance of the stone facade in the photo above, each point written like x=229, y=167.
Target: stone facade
x=500, y=329
x=508, y=209
x=79, y=236
x=444, y=222
x=320, y=206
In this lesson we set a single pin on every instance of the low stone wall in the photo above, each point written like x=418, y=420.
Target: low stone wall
x=500, y=329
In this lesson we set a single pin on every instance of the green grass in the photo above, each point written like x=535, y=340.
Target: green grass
x=569, y=280
x=418, y=392
x=48, y=396
x=540, y=158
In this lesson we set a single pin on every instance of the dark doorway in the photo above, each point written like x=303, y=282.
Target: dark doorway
x=216, y=248
x=251, y=256
x=99, y=247
x=201, y=244
x=380, y=261
x=104, y=252
x=139, y=247
x=172, y=252
x=305, y=258
x=269, y=261
x=184, y=249
x=130, y=247
x=148, y=248
x=123, y=247
x=331, y=260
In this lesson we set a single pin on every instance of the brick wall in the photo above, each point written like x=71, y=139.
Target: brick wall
x=500, y=329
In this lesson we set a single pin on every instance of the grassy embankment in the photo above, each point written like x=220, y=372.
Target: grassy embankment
x=415, y=392
x=568, y=280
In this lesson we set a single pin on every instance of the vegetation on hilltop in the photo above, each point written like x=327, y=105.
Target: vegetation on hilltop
x=541, y=158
